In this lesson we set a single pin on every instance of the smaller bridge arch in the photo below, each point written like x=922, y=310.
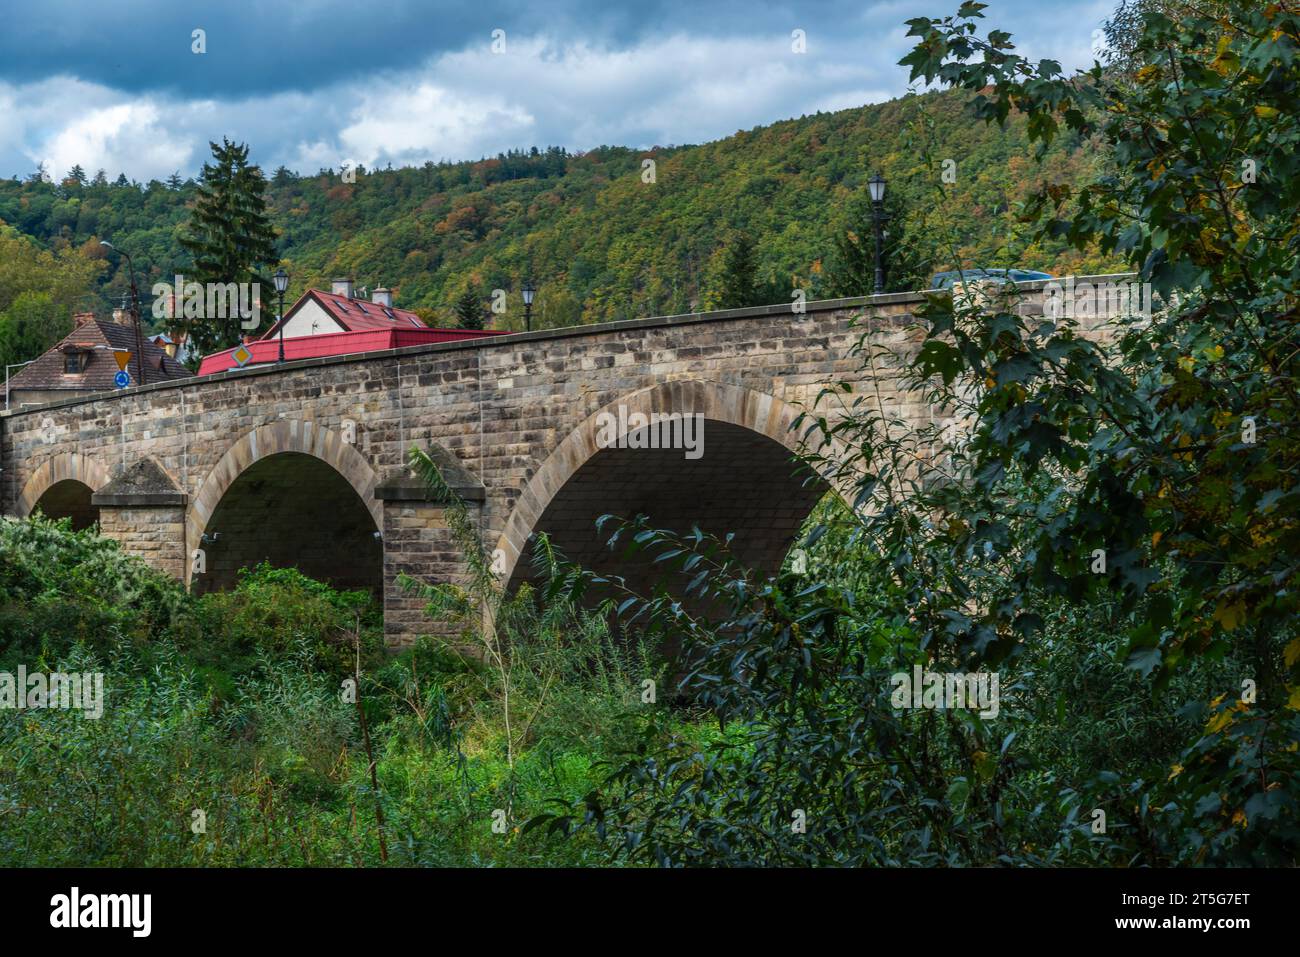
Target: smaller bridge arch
x=264, y=466
x=69, y=478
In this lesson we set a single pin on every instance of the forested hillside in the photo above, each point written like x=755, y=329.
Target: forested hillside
x=602, y=242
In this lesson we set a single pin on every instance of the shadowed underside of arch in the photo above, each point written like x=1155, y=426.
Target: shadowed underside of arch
x=289, y=490
x=744, y=482
x=71, y=472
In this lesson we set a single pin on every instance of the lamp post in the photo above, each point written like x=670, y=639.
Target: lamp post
x=135, y=311
x=281, y=284
x=529, y=291
x=15, y=365
x=876, y=185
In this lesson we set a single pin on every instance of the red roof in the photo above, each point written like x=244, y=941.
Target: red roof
x=338, y=344
x=99, y=338
x=354, y=315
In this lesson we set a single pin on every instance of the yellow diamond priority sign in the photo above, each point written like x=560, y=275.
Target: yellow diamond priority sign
x=241, y=355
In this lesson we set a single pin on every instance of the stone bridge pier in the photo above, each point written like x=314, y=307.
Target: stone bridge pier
x=303, y=464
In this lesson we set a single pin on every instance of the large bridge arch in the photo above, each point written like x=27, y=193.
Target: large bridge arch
x=68, y=479
x=753, y=427
x=287, y=465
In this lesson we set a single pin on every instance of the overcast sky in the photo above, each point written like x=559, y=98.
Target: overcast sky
x=115, y=84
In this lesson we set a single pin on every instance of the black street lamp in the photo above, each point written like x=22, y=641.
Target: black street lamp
x=529, y=291
x=281, y=284
x=135, y=312
x=876, y=185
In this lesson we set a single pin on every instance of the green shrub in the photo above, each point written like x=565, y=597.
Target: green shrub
x=271, y=611
x=59, y=587
x=230, y=704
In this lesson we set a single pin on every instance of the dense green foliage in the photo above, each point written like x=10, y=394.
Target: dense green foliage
x=601, y=242
x=798, y=675
x=39, y=292
x=232, y=704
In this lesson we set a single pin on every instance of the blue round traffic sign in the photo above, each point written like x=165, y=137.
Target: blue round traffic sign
x=122, y=379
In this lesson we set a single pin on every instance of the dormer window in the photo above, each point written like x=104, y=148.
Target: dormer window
x=75, y=362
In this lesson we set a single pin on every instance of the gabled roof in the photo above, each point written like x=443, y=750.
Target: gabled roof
x=100, y=338
x=353, y=315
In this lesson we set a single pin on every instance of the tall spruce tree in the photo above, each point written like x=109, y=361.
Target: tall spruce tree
x=229, y=238
x=469, y=311
x=738, y=282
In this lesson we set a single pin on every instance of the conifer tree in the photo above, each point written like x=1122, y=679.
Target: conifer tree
x=852, y=266
x=738, y=282
x=468, y=309
x=229, y=237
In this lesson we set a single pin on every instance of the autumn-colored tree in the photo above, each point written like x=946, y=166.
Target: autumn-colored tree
x=39, y=291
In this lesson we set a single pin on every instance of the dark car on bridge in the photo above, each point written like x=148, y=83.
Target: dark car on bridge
x=946, y=280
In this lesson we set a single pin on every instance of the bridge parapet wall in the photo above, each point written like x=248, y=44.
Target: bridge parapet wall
x=501, y=406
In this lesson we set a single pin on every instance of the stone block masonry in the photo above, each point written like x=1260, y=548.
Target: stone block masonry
x=304, y=464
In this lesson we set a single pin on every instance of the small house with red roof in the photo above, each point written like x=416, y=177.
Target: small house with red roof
x=339, y=310
x=336, y=323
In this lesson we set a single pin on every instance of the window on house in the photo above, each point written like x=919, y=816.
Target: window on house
x=74, y=362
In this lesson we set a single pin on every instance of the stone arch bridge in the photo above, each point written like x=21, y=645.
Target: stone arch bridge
x=303, y=464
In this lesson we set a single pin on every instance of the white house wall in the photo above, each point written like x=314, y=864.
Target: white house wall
x=310, y=320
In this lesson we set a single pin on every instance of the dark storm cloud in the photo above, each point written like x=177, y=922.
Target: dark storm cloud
x=259, y=47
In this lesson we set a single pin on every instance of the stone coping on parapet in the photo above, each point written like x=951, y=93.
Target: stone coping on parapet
x=540, y=335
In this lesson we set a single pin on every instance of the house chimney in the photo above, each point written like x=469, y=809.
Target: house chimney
x=382, y=297
x=79, y=319
x=341, y=287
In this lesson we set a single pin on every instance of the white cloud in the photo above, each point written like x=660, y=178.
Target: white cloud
x=414, y=121
x=125, y=136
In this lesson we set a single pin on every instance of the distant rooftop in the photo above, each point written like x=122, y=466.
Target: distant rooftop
x=94, y=340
